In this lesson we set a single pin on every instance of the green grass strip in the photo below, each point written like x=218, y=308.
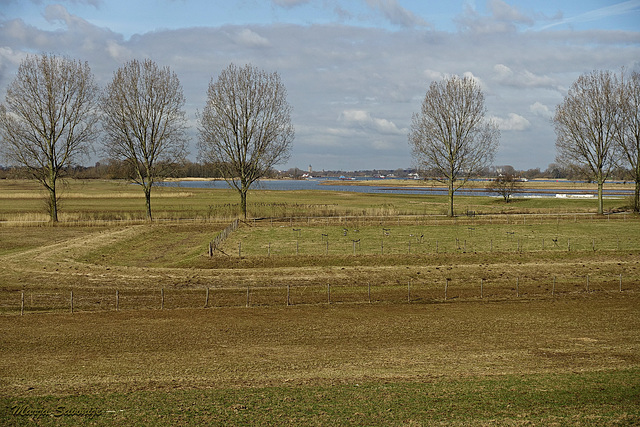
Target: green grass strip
x=587, y=398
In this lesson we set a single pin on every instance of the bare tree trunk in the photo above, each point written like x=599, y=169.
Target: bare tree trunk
x=147, y=196
x=243, y=202
x=600, y=203
x=53, y=204
x=450, y=198
x=53, y=199
x=636, y=196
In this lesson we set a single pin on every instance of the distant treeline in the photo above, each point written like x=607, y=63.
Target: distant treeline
x=114, y=169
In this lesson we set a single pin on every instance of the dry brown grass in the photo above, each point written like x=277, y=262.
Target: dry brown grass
x=153, y=349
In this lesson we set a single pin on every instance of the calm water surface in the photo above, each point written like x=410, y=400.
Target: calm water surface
x=316, y=184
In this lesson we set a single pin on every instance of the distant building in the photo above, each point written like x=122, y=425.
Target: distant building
x=310, y=169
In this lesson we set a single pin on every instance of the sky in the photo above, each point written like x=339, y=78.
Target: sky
x=355, y=71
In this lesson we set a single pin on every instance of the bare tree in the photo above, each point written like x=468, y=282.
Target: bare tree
x=49, y=120
x=629, y=135
x=505, y=185
x=246, y=126
x=450, y=135
x=586, y=126
x=145, y=123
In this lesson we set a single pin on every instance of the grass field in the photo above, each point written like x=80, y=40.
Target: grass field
x=99, y=200
x=552, y=340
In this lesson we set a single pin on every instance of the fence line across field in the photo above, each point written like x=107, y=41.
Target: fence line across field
x=466, y=217
x=309, y=238
x=411, y=291
x=222, y=236
x=407, y=245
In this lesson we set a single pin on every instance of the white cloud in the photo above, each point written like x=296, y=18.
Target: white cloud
x=396, y=14
x=504, y=18
x=503, y=72
x=541, y=110
x=512, y=122
x=353, y=88
x=433, y=75
x=118, y=52
x=503, y=12
x=522, y=79
x=251, y=39
x=365, y=121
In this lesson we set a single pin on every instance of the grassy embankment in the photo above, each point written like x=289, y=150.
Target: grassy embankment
x=503, y=359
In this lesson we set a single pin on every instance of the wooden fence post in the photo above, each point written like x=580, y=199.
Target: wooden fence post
x=247, y=296
x=206, y=299
x=446, y=288
x=621, y=283
x=328, y=293
x=409, y=291
x=22, y=304
x=71, y=302
x=587, y=283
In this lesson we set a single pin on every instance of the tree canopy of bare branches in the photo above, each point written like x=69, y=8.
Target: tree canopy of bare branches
x=629, y=135
x=245, y=126
x=49, y=119
x=144, y=122
x=451, y=135
x=587, y=123
x=505, y=185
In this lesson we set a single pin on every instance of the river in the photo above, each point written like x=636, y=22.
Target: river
x=317, y=184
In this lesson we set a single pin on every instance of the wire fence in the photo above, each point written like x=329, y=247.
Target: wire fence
x=447, y=290
x=222, y=236
x=360, y=235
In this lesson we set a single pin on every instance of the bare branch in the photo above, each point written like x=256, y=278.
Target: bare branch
x=246, y=125
x=450, y=135
x=587, y=124
x=144, y=121
x=49, y=119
